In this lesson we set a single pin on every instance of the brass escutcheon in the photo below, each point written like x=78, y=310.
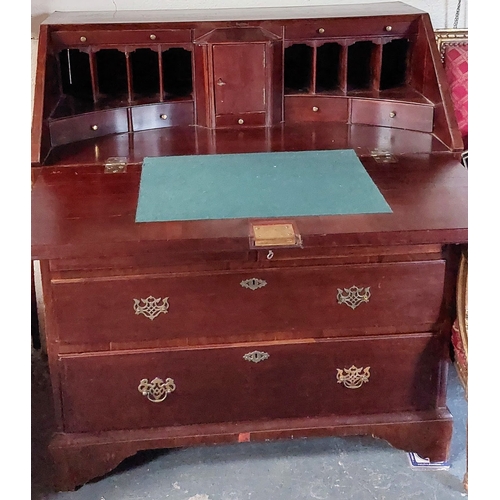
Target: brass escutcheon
x=253, y=283
x=256, y=356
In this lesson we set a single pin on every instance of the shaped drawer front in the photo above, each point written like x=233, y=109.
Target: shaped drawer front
x=162, y=115
x=267, y=381
x=88, y=125
x=316, y=109
x=408, y=116
x=395, y=297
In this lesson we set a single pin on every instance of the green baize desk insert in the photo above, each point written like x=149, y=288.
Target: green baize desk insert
x=256, y=185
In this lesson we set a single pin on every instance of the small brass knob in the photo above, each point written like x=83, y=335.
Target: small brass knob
x=392, y=114
x=388, y=28
x=315, y=108
x=83, y=39
x=321, y=30
x=153, y=37
x=94, y=127
x=163, y=117
x=241, y=121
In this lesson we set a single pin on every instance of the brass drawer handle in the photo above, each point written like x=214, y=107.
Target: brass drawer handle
x=157, y=390
x=353, y=296
x=94, y=127
x=151, y=307
x=315, y=109
x=256, y=356
x=83, y=39
x=253, y=283
x=321, y=30
x=163, y=116
x=392, y=114
x=353, y=378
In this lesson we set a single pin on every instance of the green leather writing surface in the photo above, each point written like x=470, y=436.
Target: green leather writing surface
x=256, y=185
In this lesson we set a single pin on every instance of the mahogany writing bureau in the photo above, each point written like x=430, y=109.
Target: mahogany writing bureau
x=319, y=314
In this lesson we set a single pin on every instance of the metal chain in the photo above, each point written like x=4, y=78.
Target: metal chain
x=457, y=14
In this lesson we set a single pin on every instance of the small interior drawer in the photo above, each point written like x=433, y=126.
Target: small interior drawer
x=332, y=28
x=162, y=115
x=392, y=114
x=256, y=119
x=118, y=37
x=88, y=125
x=157, y=388
x=316, y=109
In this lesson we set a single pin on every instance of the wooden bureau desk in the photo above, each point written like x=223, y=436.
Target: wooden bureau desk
x=171, y=333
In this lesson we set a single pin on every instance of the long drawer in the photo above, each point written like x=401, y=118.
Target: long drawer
x=396, y=297
x=248, y=382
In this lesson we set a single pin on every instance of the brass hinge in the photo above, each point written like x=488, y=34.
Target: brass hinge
x=381, y=156
x=116, y=165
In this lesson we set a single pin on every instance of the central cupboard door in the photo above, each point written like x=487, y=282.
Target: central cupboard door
x=239, y=78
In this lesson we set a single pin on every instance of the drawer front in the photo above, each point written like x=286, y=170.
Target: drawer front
x=391, y=114
x=241, y=120
x=162, y=115
x=394, y=297
x=115, y=37
x=249, y=382
x=88, y=125
x=316, y=109
x=329, y=28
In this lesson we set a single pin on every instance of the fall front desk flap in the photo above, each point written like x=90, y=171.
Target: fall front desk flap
x=256, y=185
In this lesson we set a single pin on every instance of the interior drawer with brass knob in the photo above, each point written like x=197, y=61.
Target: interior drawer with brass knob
x=333, y=300
x=316, y=109
x=88, y=125
x=410, y=116
x=119, y=36
x=169, y=114
x=331, y=28
x=156, y=388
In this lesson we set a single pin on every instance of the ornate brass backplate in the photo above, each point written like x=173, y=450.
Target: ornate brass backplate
x=157, y=390
x=151, y=307
x=353, y=377
x=353, y=296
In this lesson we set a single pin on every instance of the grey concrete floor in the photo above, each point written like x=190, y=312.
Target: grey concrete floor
x=359, y=468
